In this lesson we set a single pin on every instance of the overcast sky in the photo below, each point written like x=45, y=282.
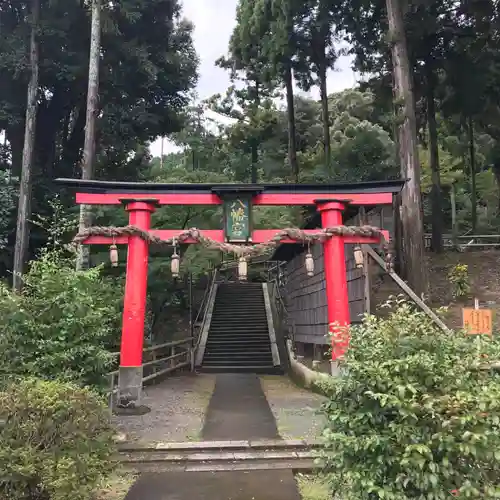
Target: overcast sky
x=214, y=21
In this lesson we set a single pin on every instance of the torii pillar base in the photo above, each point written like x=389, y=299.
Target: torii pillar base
x=130, y=391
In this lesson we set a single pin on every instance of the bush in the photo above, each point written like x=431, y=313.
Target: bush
x=55, y=442
x=414, y=416
x=459, y=278
x=62, y=326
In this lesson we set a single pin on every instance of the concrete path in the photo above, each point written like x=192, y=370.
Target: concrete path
x=238, y=410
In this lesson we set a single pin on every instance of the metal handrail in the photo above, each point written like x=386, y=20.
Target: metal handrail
x=282, y=309
x=466, y=240
x=209, y=300
x=206, y=293
x=464, y=236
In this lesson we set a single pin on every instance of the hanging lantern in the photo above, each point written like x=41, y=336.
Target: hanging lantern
x=175, y=263
x=358, y=257
x=113, y=255
x=242, y=269
x=309, y=264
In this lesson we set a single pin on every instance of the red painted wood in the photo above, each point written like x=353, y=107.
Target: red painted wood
x=212, y=199
x=134, y=306
x=310, y=199
x=336, y=281
x=258, y=236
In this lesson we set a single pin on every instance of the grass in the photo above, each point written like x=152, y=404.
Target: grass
x=117, y=486
x=313, y=487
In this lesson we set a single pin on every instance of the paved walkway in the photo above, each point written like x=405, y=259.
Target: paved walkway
x=179, y=407
x=238, y=410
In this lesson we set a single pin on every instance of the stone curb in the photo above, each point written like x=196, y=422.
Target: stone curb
x=305, y=466
x=218, y=445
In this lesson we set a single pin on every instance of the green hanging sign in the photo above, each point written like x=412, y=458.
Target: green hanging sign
x=237, y=219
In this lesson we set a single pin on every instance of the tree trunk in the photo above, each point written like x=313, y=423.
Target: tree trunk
x=453, y=201
x=496, y=171
x=292, y=139
x=25, y=189
x=412, y=214
x=89, y=149
x=254, y=140
x=325, y=117
x=324, y=24
x=255, y=160
x=472, y=159
x=437, y=210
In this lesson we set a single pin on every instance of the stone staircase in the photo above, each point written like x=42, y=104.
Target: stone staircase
x=238, y=337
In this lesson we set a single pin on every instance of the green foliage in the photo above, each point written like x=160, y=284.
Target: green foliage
x=459, y=278
x=8, y=198
x=62, y=326
x=148, y=69
x=413, y=415
x=55, y=443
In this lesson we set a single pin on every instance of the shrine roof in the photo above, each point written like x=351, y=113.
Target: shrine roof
x=104, y=187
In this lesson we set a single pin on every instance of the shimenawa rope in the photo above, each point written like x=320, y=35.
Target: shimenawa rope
x=245, y=251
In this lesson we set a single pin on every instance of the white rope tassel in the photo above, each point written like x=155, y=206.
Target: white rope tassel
x=309, y=262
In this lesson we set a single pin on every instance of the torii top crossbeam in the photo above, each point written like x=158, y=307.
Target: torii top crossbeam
x=91, y=192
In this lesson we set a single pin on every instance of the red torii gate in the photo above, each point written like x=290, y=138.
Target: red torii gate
x=141, y=200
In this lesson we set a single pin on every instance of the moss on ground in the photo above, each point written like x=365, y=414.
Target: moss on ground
x=117, y=486
x=313, y=487
x=295, y=409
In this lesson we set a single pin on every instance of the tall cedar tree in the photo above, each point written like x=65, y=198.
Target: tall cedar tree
x=315, y=38
x=89, y=148
x=274, y=22
x=411, y=207
x=25, y=190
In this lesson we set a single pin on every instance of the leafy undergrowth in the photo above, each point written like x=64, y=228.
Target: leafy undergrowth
x=55, y=443
x=313, y=487
x=416, y=413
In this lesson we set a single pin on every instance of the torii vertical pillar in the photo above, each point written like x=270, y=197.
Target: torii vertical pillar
x=336, y=280
x=134, y=307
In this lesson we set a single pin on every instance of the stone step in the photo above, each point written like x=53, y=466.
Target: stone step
x=231, y=348
x=245, y=323
x=230, y=334
x=241, y=358
x=227, y=367
x=294, y=455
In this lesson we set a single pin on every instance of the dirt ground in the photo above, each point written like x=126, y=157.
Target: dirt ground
x=484, y=273
x=178, y=406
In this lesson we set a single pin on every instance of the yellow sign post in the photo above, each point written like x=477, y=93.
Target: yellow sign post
x=478, y=321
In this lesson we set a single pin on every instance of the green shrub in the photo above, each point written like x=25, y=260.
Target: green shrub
x=62, y=326
x=459, y=278
x=413, y=415
x=55, y=443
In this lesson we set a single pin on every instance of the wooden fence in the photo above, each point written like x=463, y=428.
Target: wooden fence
x=159, y=360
